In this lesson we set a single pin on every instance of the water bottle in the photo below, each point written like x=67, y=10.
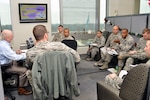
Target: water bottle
x=116, y=68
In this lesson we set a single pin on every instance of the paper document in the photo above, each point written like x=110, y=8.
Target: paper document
x=109, y=51
x=93, y=44
x=24, y=51
x=112, y=52
x=122, y=73
x=133, y=65
x=112, y=70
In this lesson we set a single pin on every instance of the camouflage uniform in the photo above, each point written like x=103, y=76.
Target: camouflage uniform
x=67, y=38
x=57, y=37
x=141, y=55
x=41, y=47
x=125, y=46
x=94, y=49
x=117, y=81
x=111, y=44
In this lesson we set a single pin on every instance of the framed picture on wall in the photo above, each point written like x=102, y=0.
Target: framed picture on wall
x=32, y=13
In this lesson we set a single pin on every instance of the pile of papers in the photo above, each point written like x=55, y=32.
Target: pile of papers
x=109, y=51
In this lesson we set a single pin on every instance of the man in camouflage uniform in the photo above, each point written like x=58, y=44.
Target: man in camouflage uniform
x=42, y=45
x=66, y=35
x=98, y=42
x=138, y=53
x=58, y=36
x=116, y=81
x=125, y=45
x=106, y=58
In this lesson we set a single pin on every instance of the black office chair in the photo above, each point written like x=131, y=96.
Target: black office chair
x=70, y=43
x=10, y=80
x=29, y=43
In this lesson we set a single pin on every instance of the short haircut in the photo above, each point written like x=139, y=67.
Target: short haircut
x=100, y=31
x=60, y=26
x=39, y=32
x=5, y=33
x=148, y=31
x=145, y=30
x=66, y=29
x=117, y=26
x=124, y=29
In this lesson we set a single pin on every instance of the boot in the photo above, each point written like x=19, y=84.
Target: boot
x=118, y=71
x=105, y=65
x=99, y=63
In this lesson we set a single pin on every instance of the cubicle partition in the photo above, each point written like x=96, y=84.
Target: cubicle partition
x=138, y=23
x=134, y=23
x=149, y=21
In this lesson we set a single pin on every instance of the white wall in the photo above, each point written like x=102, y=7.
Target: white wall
x=22, y=31
x=122, y=7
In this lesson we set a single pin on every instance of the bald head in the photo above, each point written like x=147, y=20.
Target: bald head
x=115, y=29
x=7, y=35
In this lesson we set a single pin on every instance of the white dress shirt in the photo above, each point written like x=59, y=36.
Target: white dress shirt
x=7, y=54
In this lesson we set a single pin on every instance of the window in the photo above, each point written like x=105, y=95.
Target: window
x=102, y=14
x=55, y=15
x=5, y=15
x=144, y=6
x=79, y=15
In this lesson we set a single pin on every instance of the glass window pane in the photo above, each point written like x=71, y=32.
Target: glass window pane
x=55, y=14
x=79, y=15
x=5, y=15
x=144, y=6
x=102, y=14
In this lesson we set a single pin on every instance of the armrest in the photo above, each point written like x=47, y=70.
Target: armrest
x=106, y=92
x=29, y=65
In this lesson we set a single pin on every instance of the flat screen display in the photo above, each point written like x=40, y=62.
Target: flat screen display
x=32, y=12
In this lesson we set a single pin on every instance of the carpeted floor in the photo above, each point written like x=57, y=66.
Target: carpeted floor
x=88, y=75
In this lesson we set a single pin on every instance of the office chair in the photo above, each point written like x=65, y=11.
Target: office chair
x=136, y=86
x=29, y=43
x=70, y=43
x=10, y=80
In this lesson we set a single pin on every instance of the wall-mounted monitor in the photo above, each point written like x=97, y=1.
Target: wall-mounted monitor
x=32, y=13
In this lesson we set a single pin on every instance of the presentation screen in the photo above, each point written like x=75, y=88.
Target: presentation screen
x=32, y=12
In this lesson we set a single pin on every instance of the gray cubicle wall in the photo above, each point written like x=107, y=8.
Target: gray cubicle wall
x=138, y=23
x=149, y=21
x=123, y=22
x=109, y=27
x=134, y=23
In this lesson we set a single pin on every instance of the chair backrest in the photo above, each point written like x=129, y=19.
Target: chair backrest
x=10, y=80
x=70, y=43
x=1, y=86
x=135, y=84
x=29, y=43
x=106, y=34
x=148, y=87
